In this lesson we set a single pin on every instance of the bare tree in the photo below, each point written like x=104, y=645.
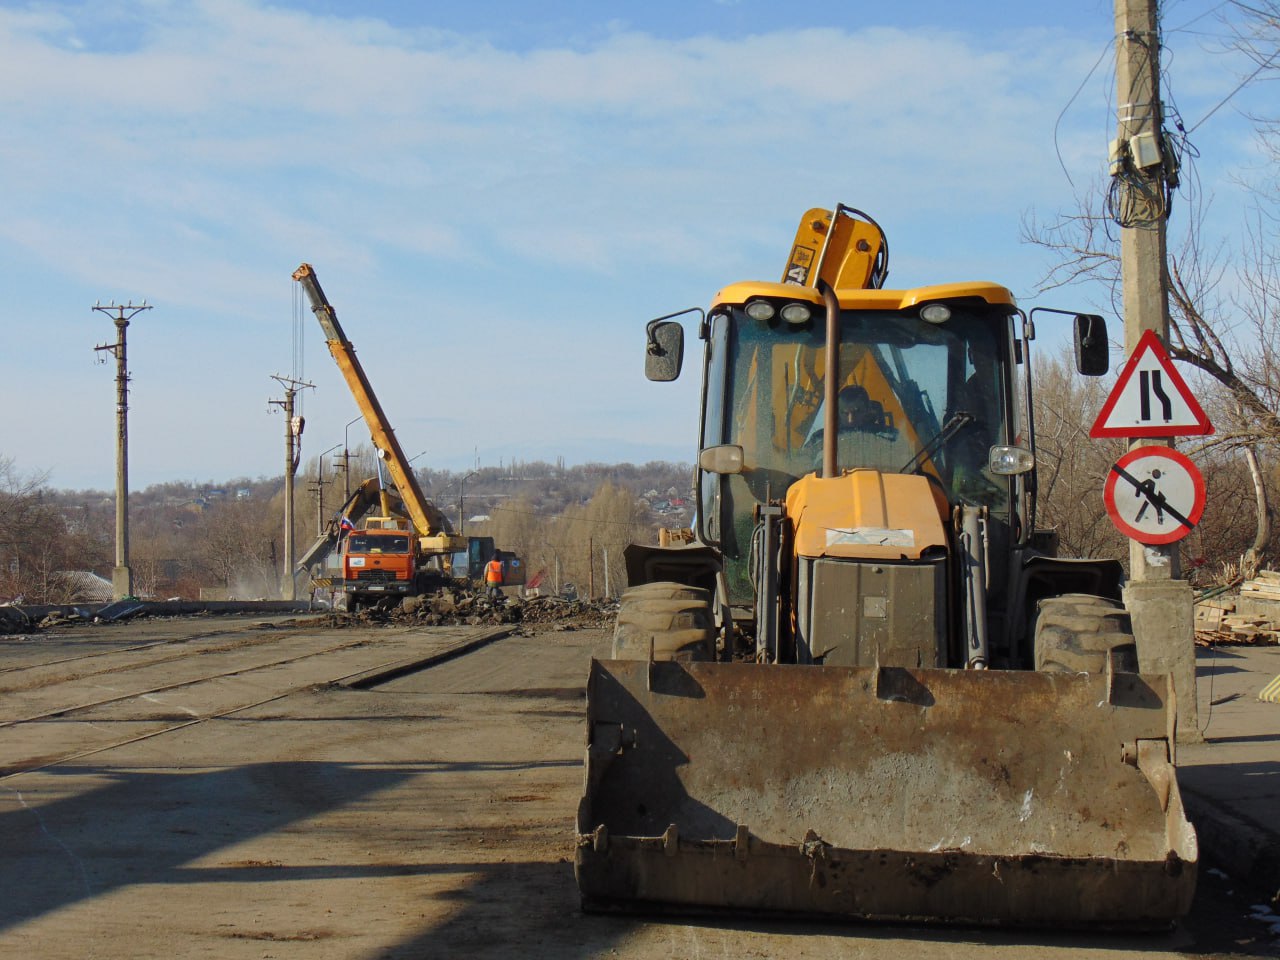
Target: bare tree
x=18, y=493
x=616, y=521
x=238, y=541
x=516, y=526
x=1072, y=468
x=33, y=539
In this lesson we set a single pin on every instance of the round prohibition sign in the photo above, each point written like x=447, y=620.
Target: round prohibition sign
x=1155, y=495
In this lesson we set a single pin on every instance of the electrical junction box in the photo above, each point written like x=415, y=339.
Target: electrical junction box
x=1145, y=149
x=1117, y=150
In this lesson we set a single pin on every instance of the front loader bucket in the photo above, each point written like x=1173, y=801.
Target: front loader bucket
x=986, y=797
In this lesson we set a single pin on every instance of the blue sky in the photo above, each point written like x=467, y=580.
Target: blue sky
x=496, y=196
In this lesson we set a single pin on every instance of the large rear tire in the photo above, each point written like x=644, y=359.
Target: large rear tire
x=1077, y=633
x=672, y=620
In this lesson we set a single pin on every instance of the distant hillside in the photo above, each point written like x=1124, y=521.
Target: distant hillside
x=185, y=536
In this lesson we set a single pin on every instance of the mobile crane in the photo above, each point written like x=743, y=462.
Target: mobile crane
x=396, y=552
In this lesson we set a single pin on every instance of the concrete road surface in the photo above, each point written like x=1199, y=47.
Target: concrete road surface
x=183, y=789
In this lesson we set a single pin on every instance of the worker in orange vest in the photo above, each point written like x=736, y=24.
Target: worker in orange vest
x=493, y=577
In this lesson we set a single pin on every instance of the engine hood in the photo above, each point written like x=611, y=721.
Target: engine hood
x=867, y=514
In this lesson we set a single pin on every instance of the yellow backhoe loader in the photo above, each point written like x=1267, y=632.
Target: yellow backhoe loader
x=869, y=687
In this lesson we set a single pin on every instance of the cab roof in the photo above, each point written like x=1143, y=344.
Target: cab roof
x=869, y=299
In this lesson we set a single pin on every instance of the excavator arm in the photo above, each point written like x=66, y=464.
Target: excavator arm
x=429, y=523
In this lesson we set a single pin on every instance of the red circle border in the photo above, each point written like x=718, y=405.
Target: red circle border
x=1133, y=533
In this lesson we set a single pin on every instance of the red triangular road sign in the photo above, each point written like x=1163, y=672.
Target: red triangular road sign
x=1151, y=399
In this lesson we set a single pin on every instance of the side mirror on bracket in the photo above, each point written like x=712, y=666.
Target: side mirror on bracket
x=1091, y=344
x=1092, y=348
x=664, y=346
x=664, y=352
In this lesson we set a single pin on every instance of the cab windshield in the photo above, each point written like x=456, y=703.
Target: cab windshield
x=913, y=397
x=377, y=543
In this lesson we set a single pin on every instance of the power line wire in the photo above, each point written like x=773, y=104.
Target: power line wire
x=1262, y=66
x=1058, y=123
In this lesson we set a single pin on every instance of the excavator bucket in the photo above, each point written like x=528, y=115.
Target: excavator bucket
x=985, y=797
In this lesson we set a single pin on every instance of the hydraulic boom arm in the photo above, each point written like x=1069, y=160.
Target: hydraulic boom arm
x=427, y=520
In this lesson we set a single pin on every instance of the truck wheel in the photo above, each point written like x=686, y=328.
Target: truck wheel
x=672, y=619
x=1076, y=633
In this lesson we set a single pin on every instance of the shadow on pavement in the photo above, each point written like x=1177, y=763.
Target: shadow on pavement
x=531, y=911
x=142, y=827
x=1237, y=785
x=1250, y=738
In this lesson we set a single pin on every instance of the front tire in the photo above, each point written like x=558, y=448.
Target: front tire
x=1077, y=633
x=671, y=619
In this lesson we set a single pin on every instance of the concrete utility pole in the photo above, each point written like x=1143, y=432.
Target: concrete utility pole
x=591, y=568
x=292, y=455
x=121, y=574
x=1143, y=177
x=346, y=457
x=319, y=490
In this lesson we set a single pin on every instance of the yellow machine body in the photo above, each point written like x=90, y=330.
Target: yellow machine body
x=867, y=688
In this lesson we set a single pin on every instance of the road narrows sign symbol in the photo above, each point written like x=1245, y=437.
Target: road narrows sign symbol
x=1154, y=495
x=1151, y=399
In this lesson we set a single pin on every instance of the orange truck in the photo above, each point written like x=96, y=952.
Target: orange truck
x=381, y=562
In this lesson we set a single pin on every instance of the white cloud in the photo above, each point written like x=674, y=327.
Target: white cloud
x=552, y=198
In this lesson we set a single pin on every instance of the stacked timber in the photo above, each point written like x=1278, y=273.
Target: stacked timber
x=1210, y=613
x=1252, y=618
x=1265, y=586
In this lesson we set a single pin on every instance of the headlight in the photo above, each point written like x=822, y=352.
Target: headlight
x=1009, y=461
x=797, y=313
x=761, y=310
x=935, y=313
x=723, y=459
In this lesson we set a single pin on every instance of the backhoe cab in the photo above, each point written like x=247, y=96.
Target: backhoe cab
x=927, y=712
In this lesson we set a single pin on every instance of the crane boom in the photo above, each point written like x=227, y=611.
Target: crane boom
x=428, y=522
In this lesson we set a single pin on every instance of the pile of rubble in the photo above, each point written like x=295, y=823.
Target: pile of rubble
x=16, y=620
x=13, y=620
x=463, y=607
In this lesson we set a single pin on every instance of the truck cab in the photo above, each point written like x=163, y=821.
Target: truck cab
x=378, y=560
